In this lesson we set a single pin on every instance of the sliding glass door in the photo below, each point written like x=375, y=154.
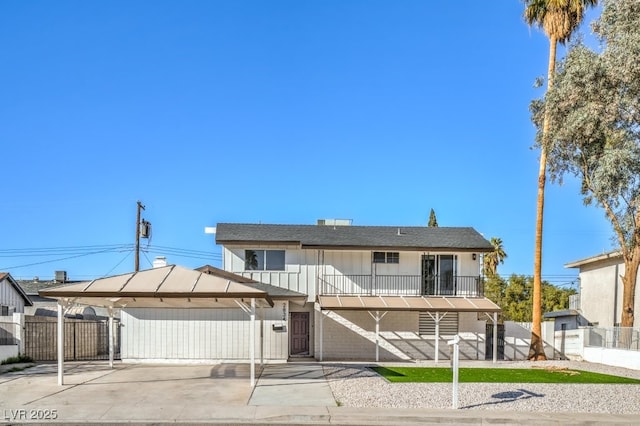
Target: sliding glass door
x=439, y=274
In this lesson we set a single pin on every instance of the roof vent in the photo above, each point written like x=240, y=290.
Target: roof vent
x=335, y=222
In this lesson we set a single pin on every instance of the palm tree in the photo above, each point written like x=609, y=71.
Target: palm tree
x=494, y=258
x=558, y=19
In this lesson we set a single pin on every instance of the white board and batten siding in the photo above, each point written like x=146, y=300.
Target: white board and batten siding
x=201, y=335
x=300, y=268
x=11, y=298
x=303, y=267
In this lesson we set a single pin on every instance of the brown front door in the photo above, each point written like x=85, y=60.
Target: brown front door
x=299, y=333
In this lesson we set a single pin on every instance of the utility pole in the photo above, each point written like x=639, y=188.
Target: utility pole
x=137, y=260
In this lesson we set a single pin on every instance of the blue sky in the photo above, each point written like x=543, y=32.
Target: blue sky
x=272, y=112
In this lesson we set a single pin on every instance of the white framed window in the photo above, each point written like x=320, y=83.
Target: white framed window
x=386, y=257
x=264, y=260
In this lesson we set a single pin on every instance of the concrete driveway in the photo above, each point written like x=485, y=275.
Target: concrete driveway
x=128, y=392
x=94, y=392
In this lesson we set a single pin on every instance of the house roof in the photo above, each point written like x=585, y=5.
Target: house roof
x=408, y=303
x=593, y=259
x=412, y=238
x=5, y=276
x=563, y=313
x=32, y=287
x=169, y=286
x=273, y=291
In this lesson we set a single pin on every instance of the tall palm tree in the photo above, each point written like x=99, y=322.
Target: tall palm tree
x=494, y=258
x=558, y=19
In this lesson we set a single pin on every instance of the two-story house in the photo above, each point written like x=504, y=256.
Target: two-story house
x=329, y=291
x=382, y=292
x=600, y=297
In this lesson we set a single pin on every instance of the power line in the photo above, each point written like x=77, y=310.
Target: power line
x=60, y=251
x=118, y=264
x=53, y=260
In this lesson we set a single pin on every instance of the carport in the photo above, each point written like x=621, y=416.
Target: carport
x=436, y=307
x=165, y=287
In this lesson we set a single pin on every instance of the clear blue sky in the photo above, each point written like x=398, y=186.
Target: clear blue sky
x=272, y=112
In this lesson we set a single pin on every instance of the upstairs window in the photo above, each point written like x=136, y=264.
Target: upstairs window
x=386, y=257
x=264, y=260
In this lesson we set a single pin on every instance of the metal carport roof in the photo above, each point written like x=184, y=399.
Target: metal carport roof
x=408, y=303
x=170, y=286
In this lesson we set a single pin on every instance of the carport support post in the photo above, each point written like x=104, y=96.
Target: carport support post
x=495, y=337
x=437, y=319
x=377, y=336
x=377, y=317
x=252, y=349
x=111, y=334
x=60, y=343
x=261, y=337
x=321, y=332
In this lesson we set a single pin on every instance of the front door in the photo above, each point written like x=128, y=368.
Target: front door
x=299, y=333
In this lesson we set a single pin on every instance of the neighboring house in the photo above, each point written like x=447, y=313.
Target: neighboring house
x=601, y=289
x=13, y=299
x=388, y=290
x=567, y=319
x=47, y=307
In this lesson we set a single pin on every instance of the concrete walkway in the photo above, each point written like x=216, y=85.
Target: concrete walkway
x=285, y=394
x=294, y=384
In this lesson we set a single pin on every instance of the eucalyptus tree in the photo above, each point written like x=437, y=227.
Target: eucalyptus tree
x=558, y=19
x=494, y=258
x=589, y=123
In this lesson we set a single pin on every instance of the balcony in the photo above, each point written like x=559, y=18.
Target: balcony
x=401, y=285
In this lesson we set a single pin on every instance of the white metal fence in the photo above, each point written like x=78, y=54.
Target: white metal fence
x=626, y=338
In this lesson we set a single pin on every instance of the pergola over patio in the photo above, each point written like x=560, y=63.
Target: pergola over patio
x=170, y=286
x=436, y=307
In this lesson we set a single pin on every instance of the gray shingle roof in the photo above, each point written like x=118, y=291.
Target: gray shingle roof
x=365, y=237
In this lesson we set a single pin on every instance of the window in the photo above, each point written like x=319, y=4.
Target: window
x=386, y=257
x=264, y=260
x=393, y=257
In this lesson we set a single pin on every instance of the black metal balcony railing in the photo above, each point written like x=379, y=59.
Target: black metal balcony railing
x=402, y=285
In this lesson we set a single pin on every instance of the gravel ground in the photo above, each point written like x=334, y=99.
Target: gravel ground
x=356, y=385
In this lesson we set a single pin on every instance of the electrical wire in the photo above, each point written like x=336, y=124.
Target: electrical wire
x=54, y=260
x=118, y=264
x=60, y=251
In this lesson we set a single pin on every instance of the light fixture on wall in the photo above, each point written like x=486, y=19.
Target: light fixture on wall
x=473, y=256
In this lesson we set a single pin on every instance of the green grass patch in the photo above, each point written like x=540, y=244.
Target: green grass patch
x=497, y=375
